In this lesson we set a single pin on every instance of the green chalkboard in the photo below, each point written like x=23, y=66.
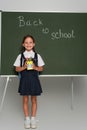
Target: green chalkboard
x=61, y=40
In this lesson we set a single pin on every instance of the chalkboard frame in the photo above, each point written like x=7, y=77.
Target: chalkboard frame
x=0, y=38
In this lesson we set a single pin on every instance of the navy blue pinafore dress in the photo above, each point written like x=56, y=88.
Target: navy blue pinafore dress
x=29, y=81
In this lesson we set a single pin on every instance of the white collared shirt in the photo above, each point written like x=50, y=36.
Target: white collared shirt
x=29, y=54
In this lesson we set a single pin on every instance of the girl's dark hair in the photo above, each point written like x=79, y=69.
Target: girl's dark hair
x=23, y=48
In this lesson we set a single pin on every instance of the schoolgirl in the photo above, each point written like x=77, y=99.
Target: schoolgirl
x=29, y=86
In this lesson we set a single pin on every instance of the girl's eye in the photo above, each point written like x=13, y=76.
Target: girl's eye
x=28, y=42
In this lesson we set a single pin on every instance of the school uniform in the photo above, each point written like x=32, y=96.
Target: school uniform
x=29, y=81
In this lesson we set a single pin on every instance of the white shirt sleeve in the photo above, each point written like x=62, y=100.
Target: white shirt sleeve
x=40, y=61
x=17, y=61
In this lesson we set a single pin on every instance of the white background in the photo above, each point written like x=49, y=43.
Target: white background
x=44, y=5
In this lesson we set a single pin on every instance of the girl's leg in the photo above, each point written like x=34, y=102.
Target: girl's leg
x=33, y=111
x=34, y=106
x=25, y=105
x=26, y=112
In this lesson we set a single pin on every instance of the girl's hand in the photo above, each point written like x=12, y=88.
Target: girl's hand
x=25, y=64
x=35, y=67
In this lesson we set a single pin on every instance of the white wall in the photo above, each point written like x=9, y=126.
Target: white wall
x=44, y=5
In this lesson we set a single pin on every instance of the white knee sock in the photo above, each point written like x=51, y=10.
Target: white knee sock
x=33, y=117
x=27, y=118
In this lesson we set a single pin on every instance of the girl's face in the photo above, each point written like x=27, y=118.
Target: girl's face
x=28, y=44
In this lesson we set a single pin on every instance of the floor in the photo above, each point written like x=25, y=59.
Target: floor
x=54, y=106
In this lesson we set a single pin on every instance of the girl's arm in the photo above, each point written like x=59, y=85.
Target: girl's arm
x=19, y=68
x=38, y=68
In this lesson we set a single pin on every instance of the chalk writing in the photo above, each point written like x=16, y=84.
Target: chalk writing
x=29, y=22
x=54, y=35
x=59, y=34
x=45, y=30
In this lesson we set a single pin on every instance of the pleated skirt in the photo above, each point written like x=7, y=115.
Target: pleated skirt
x=30, y=83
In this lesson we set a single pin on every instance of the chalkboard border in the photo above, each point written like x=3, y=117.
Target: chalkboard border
x=0, y=37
